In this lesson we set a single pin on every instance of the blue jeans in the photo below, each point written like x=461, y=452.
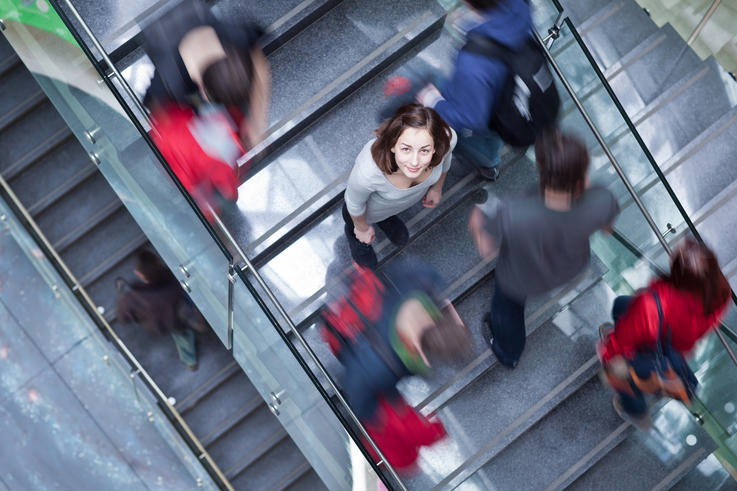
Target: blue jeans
x=633, y=404
x=508, y=328
x=186, y=346
x=481, y=148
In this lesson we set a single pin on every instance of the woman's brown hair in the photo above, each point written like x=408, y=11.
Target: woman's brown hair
x=694, y=268
x=409, y=116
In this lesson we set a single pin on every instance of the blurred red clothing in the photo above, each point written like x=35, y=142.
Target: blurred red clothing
x=201, y=150
x=683, y=313
x=399, y=431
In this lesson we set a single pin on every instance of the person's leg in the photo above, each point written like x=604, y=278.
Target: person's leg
x=633, y=408
x=507, y=324
x=362, y=253
x=482, y=149
x=186, y=347
x=395, y=230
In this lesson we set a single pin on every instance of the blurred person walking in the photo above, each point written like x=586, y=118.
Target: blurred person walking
x=407, y=162
x=385, y=328
x=655, y=329
x=157, y=303
x=501, y=89
x=541, y=240
x=208, y=97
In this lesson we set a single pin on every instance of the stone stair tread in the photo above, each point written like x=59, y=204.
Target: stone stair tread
x=719, y=229
x=309, y=481
x=105, y=212
x=123, y=252
x=655, y=460
x=616, y=32
x=548, y=380
x=93, y=249
x=223, y=407
x=26, y=94
x=581, y=10
x=49, y=178
x=275, y=469
x=682, y=117
x=571, y=430
x=654, y=65
x=211, y=384
x=247, y=441
x=30, y=137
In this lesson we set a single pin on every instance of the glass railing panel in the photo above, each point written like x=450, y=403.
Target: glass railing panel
x=284, y=384
x=89, y=386
x=126, y=161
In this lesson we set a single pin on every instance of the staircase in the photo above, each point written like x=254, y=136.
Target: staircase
x=549, y=423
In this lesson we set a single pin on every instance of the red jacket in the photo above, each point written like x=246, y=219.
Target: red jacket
x=204, y=162
x=683, y=312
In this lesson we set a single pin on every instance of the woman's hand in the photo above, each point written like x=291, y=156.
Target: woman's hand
x=366, y=236
x=432, y=197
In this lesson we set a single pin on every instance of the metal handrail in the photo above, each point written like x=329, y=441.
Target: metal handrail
x=117, y=342
x=293, y=329
x=618, y=168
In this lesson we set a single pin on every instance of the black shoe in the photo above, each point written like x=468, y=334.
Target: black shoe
x=488, y=173
x=395, y=230
x=488, y=333
x=362, y=253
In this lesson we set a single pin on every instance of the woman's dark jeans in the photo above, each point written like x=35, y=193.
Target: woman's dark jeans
x=633, y=404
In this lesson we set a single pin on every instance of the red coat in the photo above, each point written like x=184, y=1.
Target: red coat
x=201, y=172
x=683, y=312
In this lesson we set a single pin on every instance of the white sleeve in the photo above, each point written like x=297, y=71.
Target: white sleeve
x=449, y=156
x=359, y=187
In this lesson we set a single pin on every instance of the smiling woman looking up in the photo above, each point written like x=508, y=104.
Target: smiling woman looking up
x=406, y=162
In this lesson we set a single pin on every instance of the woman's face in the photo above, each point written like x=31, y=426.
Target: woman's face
x=413, y=151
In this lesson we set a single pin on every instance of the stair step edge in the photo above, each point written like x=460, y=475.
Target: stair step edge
x=61, y=190
x=114, y=259
x=238, y=416
x=207, y=387
x=257, y=453
x=88, y=225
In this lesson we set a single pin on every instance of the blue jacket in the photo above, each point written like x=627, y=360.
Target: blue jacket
x=472, y=93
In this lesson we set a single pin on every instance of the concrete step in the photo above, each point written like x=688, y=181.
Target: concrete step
x=654, y=460
x=276, y=469
x=615, y=30
x=209, y=386
x=30, y=137
x=650, y=68
x=548, y=380
x=308, y=481
x=708, y=474
x=581, y=10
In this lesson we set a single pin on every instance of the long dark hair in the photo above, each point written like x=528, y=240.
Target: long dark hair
x=409, y=116
x=694, y=268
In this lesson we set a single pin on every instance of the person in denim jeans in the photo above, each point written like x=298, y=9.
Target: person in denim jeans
x=467, y=101
x=541, y=239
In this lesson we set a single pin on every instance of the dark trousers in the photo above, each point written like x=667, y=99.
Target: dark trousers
x=508, y=327
x=362, y=253
x=634, y=403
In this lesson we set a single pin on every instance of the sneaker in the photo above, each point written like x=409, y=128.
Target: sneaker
x=642, y=422
x=193, y=367
x=395, y=230
x=488, y=334
x=488, y=173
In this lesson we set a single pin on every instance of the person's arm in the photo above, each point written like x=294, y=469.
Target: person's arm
x=357, y=193
x=258, y=113
x=467, y=99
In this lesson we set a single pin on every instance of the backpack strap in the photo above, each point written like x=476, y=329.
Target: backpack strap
x=490, y=48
